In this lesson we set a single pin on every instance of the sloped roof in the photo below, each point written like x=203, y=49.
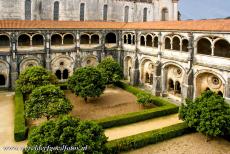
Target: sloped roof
x=222, y=25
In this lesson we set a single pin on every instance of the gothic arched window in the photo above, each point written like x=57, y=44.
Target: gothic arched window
x=126, y=18
x=82, y=11
x=105, y=12
x=145, y=14
x=56, y=10
x=28, y=10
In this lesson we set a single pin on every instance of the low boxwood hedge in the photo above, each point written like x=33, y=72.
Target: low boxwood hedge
x=165, y=108
x=20, y=129
x=136, y=116
x=146, y=138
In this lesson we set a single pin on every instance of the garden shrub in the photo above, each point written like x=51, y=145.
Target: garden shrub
x=146, y=138
x=208, y=114
x=111, y=70
x=71, y=132
x=87, y=82
x=47, y=101
x=20, y=129
x=33, y=77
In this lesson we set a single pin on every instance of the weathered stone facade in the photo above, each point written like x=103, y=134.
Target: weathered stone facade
x=180, y=64
x=95, y=10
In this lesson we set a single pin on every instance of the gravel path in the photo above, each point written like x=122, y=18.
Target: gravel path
x=7, y=124
x=187, y=144
x=140, y=127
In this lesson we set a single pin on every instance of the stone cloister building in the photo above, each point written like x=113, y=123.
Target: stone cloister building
x=179, y=59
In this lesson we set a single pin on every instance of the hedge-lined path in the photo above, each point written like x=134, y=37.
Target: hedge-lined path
x=140, y=127
x=188, y=144
x=7, y=124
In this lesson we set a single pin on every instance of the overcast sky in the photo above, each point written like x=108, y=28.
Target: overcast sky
x=204, y=9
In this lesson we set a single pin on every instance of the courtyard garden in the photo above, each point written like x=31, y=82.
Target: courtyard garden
x=97, y=105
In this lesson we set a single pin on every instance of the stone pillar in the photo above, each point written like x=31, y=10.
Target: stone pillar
x=157, y=69
x=135, y=75
x=14, y=71
x=188, y=85
x=119, y=49
x=47, y=49
x=77, y=49
x=102, y=45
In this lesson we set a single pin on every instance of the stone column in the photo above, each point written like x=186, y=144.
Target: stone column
x=188, y=85
x=135, y=75
x=102, y=45
x=47, y=49
x=77, y=49
x=14, y=71
x=157, y=69
x=119, y=49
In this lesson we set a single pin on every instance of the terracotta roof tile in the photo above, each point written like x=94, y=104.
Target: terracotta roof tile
x=194, y=25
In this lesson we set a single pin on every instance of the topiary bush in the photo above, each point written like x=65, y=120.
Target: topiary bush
x=47, y=101
x=111, y=70
x=87, y=82
x=208, y=114
x=67, y=131
x=33, y=77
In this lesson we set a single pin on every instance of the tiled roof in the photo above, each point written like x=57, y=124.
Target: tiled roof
x=194, y=25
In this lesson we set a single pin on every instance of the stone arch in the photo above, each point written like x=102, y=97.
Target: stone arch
x=84, y=39
x=155, y=41
x=146, y=71
x=68, y=39
x=90, y=61
x=142, y=40
x=56, y=39
x=24, y=40
x=4, y=41
x=4, y=72
x=128, y=66
x=28, y=62
x=111, y=38
x=176, y=42
x=149, y=40
x=185, y=45
x=62, y=63
x=37, y=40
x=222, y=48
x=173, y=76
x=167, y=43
x=208, y=79
x=204, y=46
x=95, y=39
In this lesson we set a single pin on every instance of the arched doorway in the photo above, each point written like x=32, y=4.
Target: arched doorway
x=58, y=74
x=2, y=80
x=147, y=68
x=65, y=74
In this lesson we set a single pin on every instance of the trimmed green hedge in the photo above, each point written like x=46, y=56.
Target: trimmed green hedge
x=144, y=139
x=165, y=108
x=136, y=116
x=20, y=129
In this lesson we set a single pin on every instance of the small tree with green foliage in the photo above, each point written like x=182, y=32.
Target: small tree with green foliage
x=208, y=114
x=111, y=70
x=33, y=77
x=87, y=82
x=47, y=101
x=86, y=135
